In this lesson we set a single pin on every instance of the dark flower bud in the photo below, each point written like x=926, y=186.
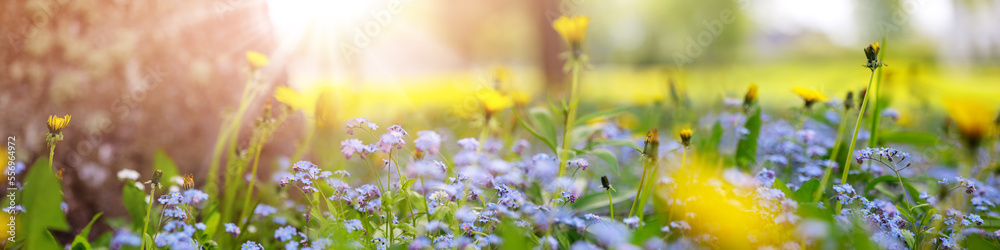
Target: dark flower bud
x=872, y=52
x=652, y=143
x=849, y=101
x=157, y=175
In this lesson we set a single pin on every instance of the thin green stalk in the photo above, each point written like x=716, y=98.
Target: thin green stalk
x=152, y=192
x=253, y=178
x=570, y=119
x=854, y=139
x=413, y=217
x=876, y=114
x=833, y=157
x=52, y=152
x=230, y=130
x=611, y=204
x=638, y=192
x=652, y=179
x=483, y=133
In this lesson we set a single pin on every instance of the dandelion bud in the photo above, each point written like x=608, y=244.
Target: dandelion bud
x=157, y=175
x=605, y=183
x=872, y=52
x=751, y=95
x=861, y=96
x=652, y=142
x=849, y=101
x=686, y=137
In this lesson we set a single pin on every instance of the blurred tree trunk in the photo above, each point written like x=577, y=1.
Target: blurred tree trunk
x=551, y=65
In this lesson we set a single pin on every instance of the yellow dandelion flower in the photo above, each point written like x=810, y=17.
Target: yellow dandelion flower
x=256, y=59
x=973, y=116
x=751, y=95
x=810, y=96
x=572, y=29
x=493, y=101
x=56, y=124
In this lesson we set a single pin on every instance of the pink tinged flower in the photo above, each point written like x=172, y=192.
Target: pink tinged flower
x=468, y=143
x=428, y=142
x=350, y=147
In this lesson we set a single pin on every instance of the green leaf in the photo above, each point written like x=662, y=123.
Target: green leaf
x=780, y=185
x=408, y=184
x=544, y=122
x=86, y=230
x=908, y=237
x=804, y=193
x=535, y=133
x=713, y=144
x=608, y=157
x=212, y=223
x=598, y=115
x=582, y=133
x=746, y=149
x=906, y=137
x=80, y=243
x=149, y=241
x=163, y=162
x=135, y=204
x=596, y=200
x=41, y=196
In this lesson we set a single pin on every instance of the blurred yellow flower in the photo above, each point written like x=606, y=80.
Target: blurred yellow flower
x=493, y=101
x=572, y=29
x=520, y=98
x=56, y=124
x=256, y=59
x=810, y=96
x=734, y=214
x=751, y=95
x=973, y=116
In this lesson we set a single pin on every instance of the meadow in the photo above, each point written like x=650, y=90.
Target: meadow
x=867, y=152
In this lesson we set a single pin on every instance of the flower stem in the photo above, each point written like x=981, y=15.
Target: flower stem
x=638, y=192
x=52, y=152
x=570, y=119
x=611, y=205
x=152, y=192
x=253, y=178
x=854, y=139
